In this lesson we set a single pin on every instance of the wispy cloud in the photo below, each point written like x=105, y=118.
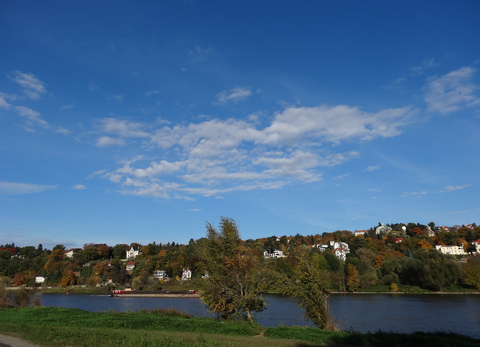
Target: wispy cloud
x=372, y=168
x=79, y=186
x=236, y=94
x=459, y=212
x=223, y=156
x=32, y=86
x=452, y=92
x=152, y=92
x=452, y=188
x=33, y=117
x=22, y=188
x=427, y=64
x=407, y=194
x=119, y=97
x=93, y=86
x=374, y=190
x=67, y=107
x=108, y=141
x=341, y=176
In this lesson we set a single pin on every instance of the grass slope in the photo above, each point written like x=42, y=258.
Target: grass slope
x=51, y=326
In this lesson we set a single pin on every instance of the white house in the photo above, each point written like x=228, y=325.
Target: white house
x=133, y=252
x=340, y=253
x=130, y=266
x=453, y=250
x=476, y=243
x=382, y=229
x=40, y=279
x=273, y=254
x=339, y=244
x=160, y=274
x=321, y=248
x=186, y=274
x=360, y=232
x=69, y=253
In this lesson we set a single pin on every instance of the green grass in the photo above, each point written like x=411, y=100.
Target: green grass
x=51, y=326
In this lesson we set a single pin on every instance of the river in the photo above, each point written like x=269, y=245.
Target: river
x=397, y=313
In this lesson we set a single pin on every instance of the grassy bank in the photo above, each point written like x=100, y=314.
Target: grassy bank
x=51, y=326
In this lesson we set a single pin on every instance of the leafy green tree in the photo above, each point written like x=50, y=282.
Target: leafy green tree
x=120, y=251
x=310, y=286
x=236, y=281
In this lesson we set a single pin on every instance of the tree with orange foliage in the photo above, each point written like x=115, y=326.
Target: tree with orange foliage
x=68, y=278
x=353, y=279
x=417, y=231
x=424, y=244
x=236, y=282
x=18, y=279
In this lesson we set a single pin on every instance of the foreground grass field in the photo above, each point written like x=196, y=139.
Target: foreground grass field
x=50, y=326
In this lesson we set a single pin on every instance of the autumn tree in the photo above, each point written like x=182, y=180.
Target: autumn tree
x=311, y=286
x=353, y=280
x=235, y=282
x=472, y=271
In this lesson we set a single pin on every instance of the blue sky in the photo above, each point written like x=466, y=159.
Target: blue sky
x=130, y=122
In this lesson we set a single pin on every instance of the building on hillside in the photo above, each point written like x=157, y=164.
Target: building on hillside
x=360, y=232
x=334, y=245
x=69, y=253
x=476, y=243
x=382, y=229
x=398, y=240
x=186, y=274
x=453, y=250
x=444, y=228
x=133, y=252
x=469, y=226
x=321, y=248
x=77, y=274
x=160, y=274
x=340, y=253
x=431, y=233
x=130, y=266
x=273, y=254
x=40, y=279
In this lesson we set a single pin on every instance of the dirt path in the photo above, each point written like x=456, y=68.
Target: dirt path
x=9, y=341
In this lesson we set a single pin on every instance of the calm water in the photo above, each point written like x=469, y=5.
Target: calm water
x=400, y=313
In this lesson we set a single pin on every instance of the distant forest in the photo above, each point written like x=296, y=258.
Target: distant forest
x=393, y=254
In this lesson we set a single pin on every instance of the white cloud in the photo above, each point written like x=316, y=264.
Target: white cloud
x=33, y=117
x=107, y=141
x=372, y=168
x=427, y=64
x=79, y=186
x=236, y=94
x=374, y=190
x=93, y=86
x=152, y=92
x=220, y=156
x=184, y=70
x=122, y=128
x=341, y=176
x=3, y=102
x=451, y=92
x=32, y=86
x=451, y=188
x=119, y=97
x=22, y=188
x=67, y=107
x=407, y=194
x=63, y=131
x=194, y=209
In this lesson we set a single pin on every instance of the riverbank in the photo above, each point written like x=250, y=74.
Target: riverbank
x=173, y=328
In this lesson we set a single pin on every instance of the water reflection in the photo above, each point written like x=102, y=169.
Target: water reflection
x=401, y=313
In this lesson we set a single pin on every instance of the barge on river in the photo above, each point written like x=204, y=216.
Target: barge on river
x=160, y=294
